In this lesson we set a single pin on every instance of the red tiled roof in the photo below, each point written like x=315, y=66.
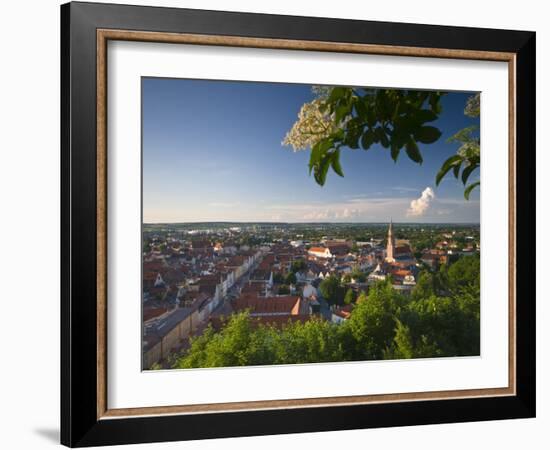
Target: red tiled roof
x=318, y=249
x=344, y=311
x=401, y=250
x=338, y=248
x=253, y=288
x=154, y=266
x=284, y=304
x=236, y=261
x=149, y=276
x=401, y=272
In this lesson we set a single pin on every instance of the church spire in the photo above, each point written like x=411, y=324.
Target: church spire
x=390, y=246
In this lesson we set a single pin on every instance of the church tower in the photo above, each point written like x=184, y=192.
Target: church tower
x=390, y=247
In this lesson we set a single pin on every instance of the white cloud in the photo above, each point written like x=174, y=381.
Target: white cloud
x=334, y=213
x=419, y=206
x=359, y=209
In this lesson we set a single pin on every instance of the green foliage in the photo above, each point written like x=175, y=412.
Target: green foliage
x=422, y=241
x=469, y=189
x=448, y=323
x=350, y=297
x=290, y=278
x=440, y=318
x=425, y=286
x=353, y=118
x=332, y=290
x=278, y=278
x=146, y=245
x=358, y=275
x=298, y=266
x=402, y=346
x=467, y=158
x=464, y=273
x=283, y=289
x=242, y=343
x=444, y=324
x=372, y=323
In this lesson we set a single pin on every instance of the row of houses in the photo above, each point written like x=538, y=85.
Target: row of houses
x=164, y=334
x=178, y=302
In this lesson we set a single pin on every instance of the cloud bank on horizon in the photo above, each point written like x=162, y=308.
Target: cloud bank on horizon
x=358, y=209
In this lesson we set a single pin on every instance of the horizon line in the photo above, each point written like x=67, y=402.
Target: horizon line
x=301, y=223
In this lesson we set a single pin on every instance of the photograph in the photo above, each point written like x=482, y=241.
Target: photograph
x=299, y=224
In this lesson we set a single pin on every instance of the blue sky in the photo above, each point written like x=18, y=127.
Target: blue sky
x=212, y=152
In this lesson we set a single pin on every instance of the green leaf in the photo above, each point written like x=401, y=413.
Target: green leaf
x=469, y=189
x=399, y=138
x=335, y=162
x=435, y=103
x=413, y=152
x=360, y=108
x=371, y=114
x=426, y=115
x=383, y=138
x=405, y=124
x=422, y=96
x=464, y=135
x=318, y=151
x=314, y=157
x=320, y=172
x=467, y=172
x=456, y=170
x=382, y=104
x=396, y=109
x=341, y=112
x=367, y=139
x=338, y=135
x=336, y=94
x=352, y=138
x=427, y=135
x=447, y=165
x=395, y=152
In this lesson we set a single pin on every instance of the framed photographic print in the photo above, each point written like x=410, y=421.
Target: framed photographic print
x=276, y=224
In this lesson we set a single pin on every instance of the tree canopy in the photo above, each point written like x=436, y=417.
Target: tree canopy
x=298, y=265
x=332, y=290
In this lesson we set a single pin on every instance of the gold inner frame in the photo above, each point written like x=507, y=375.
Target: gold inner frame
x=104, y=35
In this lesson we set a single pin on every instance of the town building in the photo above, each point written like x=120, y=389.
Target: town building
x=320, y=252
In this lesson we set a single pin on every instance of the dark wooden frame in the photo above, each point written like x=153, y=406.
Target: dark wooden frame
x=85, y=27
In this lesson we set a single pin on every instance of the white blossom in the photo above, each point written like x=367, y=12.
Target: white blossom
x=311, y=127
